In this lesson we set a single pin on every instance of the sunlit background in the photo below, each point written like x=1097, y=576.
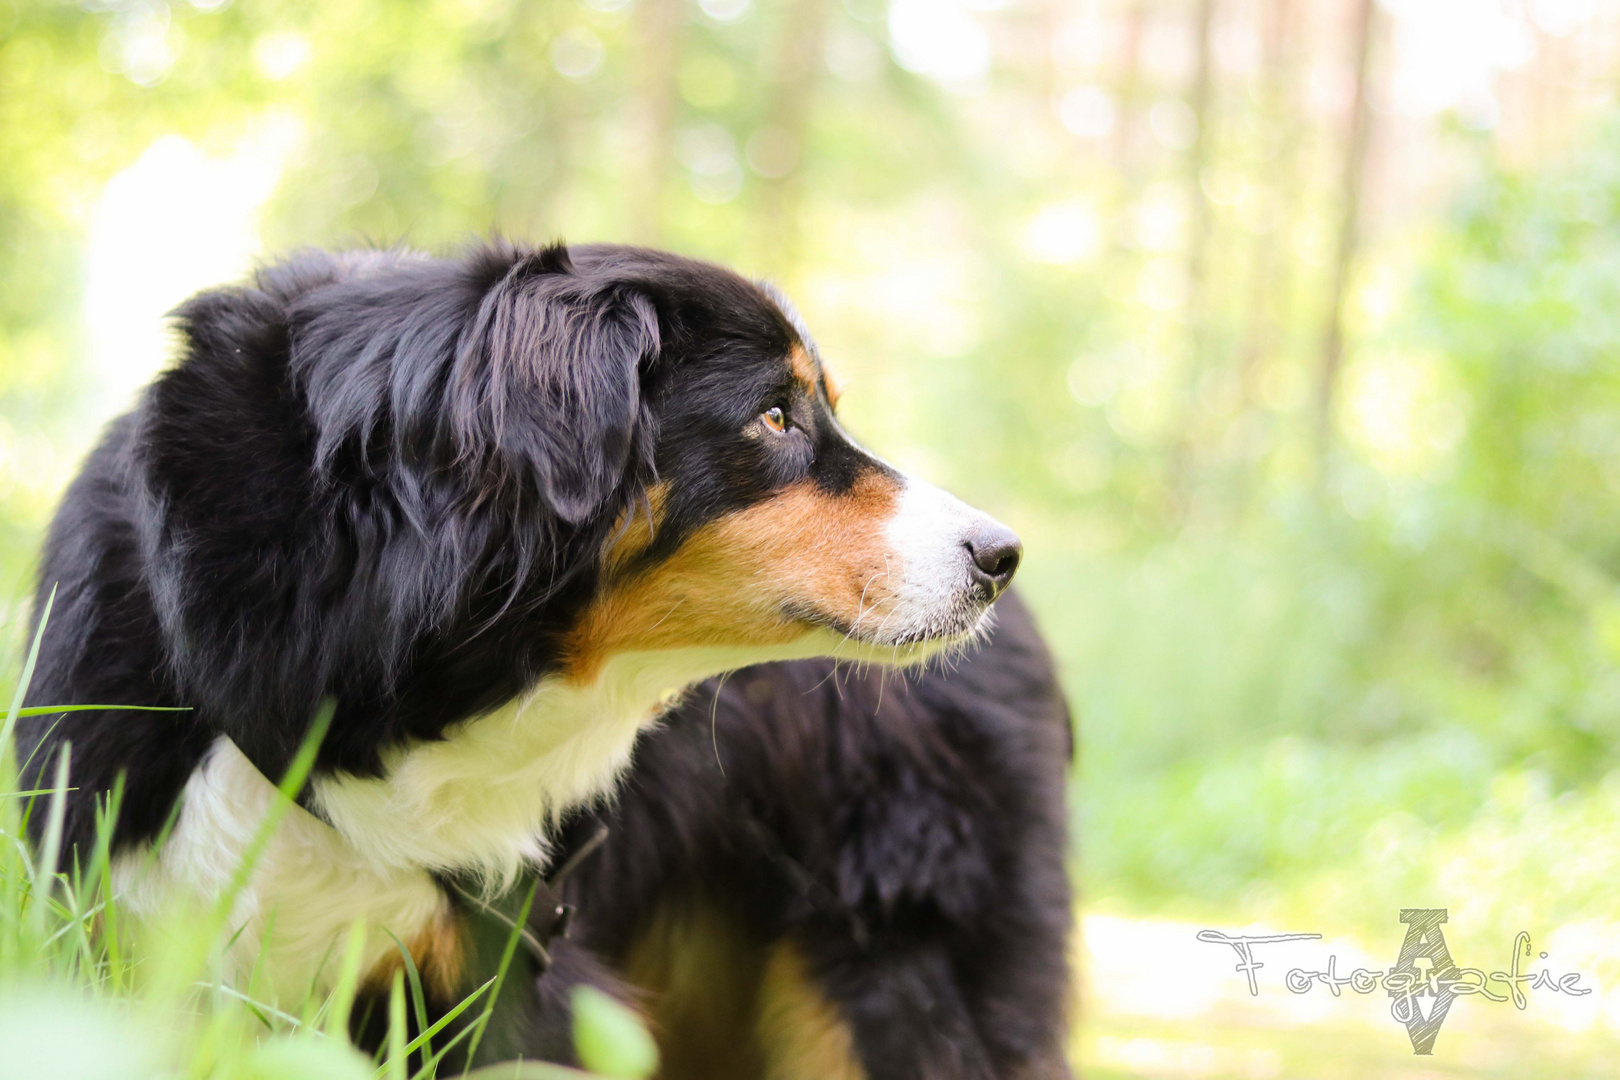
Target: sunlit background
x=1287, y=332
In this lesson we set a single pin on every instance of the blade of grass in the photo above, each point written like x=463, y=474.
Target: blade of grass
x=84, y=900
x=430, y=1068
x=27, y=677
x=312, y=1003
x=418, y=999
x=443, y=1022
x=266, y=934
x=341, y=1001
x=52, y=710
x=512, y=940
x=72, y=920
x=40, y=743
x=527, y=1070
x=397, y=1067
x=100, y=881
x=291, y=784
x=50, y=847
x=259, y=1008
x=189, y=960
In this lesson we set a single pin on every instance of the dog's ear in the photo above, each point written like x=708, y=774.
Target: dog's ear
x=549, y=380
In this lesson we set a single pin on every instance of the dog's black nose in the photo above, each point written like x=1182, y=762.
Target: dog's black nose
x=995, y=552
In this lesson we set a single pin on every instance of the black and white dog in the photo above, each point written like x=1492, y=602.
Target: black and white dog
x=497, y=508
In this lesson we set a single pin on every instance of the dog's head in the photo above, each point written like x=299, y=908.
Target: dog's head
x=565, y=454
x=760, y=523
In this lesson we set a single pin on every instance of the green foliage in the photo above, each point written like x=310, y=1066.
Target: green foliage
x=305, y=1058
x=1266, y=706
x=611, y=1039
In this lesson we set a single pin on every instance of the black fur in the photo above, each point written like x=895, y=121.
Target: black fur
x=906, y=831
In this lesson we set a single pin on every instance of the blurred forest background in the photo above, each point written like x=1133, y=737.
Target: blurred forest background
x=1286, y=332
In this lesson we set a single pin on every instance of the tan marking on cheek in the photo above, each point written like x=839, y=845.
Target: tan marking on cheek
x=829, y=553
x=635, y=530
x=731, y=582
x=439, y=953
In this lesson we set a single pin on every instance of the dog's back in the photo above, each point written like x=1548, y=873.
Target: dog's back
x=821, y=871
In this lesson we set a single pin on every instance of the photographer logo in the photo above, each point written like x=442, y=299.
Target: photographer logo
x=1423, y=982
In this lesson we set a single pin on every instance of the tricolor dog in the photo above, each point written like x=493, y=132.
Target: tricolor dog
x=495, y=508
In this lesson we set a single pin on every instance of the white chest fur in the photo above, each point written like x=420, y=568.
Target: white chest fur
x=482, y=800
x=306, y=889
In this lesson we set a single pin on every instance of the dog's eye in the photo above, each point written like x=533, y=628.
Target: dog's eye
x=775, y=419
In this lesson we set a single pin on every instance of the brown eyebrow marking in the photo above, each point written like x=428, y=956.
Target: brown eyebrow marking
x=813, y=373
x=832, y=384
x=804, y=368
x=805, y=360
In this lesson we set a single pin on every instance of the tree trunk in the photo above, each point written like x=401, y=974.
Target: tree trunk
x=1355, y=157
x=797, y=70
x=1198, y=155
x=1269, y=277
x=659, y=23
x=1128, y=93
x=1184, y=449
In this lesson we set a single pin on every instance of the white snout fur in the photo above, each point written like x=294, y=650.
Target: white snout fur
x=931, y=591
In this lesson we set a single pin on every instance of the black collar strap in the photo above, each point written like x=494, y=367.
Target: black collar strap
x=549, y=917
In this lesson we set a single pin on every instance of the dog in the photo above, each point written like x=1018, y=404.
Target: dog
x=492, y=510
x=814, y=872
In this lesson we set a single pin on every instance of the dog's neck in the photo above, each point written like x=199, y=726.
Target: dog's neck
x=482, y=800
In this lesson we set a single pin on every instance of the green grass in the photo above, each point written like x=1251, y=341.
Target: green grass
x=1232, y=1048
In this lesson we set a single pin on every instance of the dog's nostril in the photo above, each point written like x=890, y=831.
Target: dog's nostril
x=995, y=552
